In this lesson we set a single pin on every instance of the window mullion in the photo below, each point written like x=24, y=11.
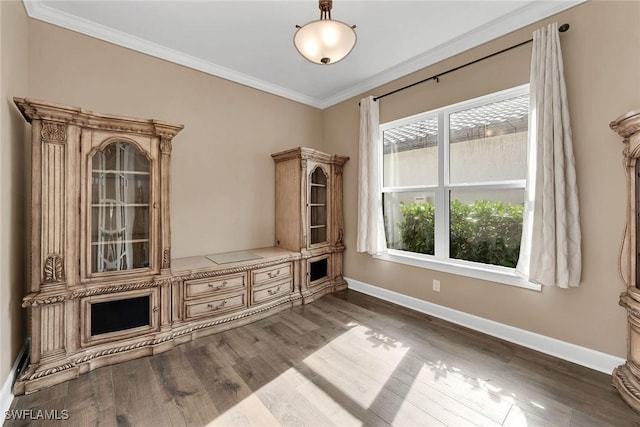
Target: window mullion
x=442, y=205
x=468, y=154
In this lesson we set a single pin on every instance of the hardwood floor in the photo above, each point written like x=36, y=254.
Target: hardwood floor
x=347, y=359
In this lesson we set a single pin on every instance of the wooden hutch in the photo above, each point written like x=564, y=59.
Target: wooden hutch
x=309, y=216
x=626, y=378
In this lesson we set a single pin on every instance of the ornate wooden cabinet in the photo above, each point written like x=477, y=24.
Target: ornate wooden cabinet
x=102, y=285
x=309, y=216
x=100, y=238
x=626, y=378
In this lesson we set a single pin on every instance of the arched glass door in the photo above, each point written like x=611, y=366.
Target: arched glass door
x=120, y=221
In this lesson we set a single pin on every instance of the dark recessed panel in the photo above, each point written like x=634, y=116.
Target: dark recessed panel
x=318, y=270
x=119, y=315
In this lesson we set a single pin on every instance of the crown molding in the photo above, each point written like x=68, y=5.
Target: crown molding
x=517, y=19
x=37, y=10
x=513, y=21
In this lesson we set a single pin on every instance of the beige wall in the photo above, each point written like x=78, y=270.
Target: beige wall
x=601, y=66
x=222, y=171
x=14, y=166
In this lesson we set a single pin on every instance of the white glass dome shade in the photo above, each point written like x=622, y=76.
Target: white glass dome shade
x=325, y=41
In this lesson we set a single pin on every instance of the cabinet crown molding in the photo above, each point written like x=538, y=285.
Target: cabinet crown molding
x=309, y=154
x=627, y=124
x=33, y=109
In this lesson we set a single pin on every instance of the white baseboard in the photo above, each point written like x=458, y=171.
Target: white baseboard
x=6, y=396
x=6, y=392
x=581, y=355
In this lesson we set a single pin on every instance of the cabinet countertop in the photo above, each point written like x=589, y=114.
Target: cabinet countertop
x=181, y=267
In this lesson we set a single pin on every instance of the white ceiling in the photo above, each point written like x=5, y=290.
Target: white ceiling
x=250, y=42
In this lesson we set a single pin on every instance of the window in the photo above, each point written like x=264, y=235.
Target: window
x=453, y=183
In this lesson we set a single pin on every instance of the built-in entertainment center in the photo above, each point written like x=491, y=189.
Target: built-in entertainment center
x=103, y=287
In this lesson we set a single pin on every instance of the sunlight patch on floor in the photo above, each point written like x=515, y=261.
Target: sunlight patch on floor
x=477, y=392
x=440, y=396
x=363, y=371
x=332, y=409
x=281, y=396
x=358, y=363
x=537, y=405
x=249, y=412
x=516, y=418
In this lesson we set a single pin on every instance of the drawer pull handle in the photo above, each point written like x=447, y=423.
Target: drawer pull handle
x=219, y=286
x=272, y=292
x=272, y=275
x=217, y=307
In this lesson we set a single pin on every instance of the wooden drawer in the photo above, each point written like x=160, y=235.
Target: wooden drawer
x=271, y=291
x=211, y=285
x=274, y=272
x=215, y=306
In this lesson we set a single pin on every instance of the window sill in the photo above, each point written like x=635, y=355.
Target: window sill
x=506, y=276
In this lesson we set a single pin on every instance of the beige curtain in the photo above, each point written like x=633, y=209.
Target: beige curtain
x=550, y=251
x=371, y=237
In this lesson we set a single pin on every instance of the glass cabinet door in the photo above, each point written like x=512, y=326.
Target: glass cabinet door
x=120, y=215
x=318, y=206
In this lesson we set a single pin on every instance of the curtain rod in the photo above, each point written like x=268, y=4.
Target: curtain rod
x=563, y=28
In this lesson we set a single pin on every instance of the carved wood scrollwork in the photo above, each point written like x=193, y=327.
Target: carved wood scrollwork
x=52, y=131
x=165, y=145
x=338, y=170
x=303, y=164
x=53, y=270
x=625, y=151
x=625, y=131
x=166, y=258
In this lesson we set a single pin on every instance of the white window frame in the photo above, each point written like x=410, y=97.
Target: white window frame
x=440, y=261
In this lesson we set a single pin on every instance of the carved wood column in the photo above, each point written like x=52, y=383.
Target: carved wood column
x=626, y=378
x=166, y=132
x=165, y=190
x=304, y=172
x=53, y=162
x=336, y=202
x=54, y=229
x=337, y=222
x=165, y=220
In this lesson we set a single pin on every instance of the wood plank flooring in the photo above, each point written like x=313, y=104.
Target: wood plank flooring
x=345, y=360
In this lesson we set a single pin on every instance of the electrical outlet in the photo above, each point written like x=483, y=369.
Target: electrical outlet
x=436, y=285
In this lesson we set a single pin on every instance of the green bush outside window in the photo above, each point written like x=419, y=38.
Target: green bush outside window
x=484, y=231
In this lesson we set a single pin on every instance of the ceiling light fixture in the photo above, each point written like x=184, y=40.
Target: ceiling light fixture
x=325, y=41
